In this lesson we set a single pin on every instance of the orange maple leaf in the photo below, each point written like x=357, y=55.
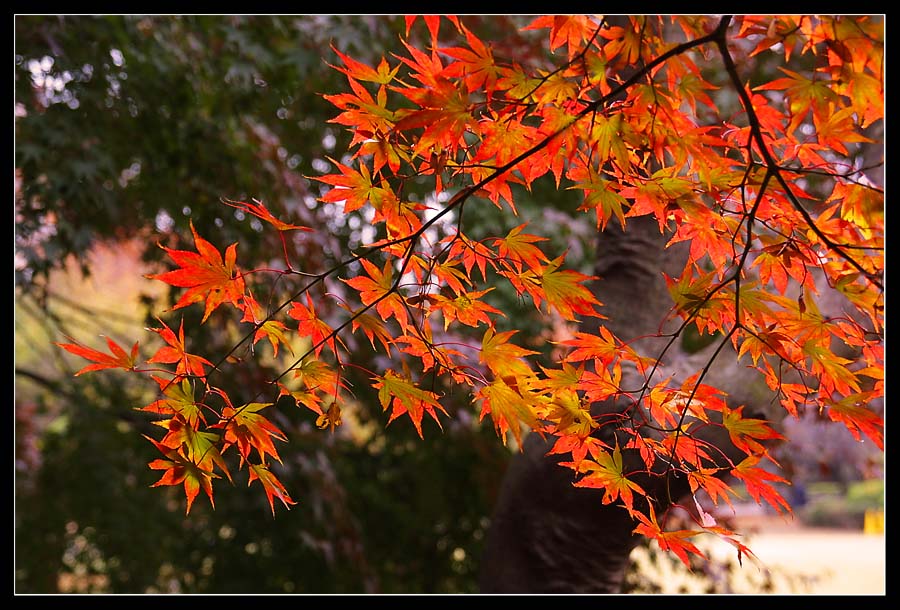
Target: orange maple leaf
x=403, y=396
x=501, y=356
x=382, y=75
x=518, y=249
x=378, y=289
x=565, y=293
x=606, y=472
x=853, y=413
x=467, y=308
x=569, y=30
x=271, y=485
x=509, y=408
x=746, y=432
x=355, y=188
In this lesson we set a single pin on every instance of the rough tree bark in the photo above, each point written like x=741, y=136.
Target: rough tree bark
x=548, y=536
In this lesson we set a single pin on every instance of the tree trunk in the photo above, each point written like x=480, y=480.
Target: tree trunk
x=548, y=536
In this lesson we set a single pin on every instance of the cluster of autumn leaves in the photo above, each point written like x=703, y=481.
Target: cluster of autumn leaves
x=633, y=146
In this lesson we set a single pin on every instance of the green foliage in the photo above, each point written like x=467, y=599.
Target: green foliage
x=866, y=494
x=126, y=122
x=831, y=506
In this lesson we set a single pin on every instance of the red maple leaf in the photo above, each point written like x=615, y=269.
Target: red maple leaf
x=174, y=352
x=675, y=541
x=258, y=209
x=205, y=274
x=118, y=360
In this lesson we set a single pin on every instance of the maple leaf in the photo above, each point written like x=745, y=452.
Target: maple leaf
x=501, y=142
x=448, y=273
x=472, y=253
x=360, y=71
x=247, y=429
x=601, y=346
x=475, y=65
x=610, y=135
x=565, y=293
x=656, y=194
x=867, y=94
x=258, y=209
x=602, y=384
x=467, y=307
x=370, y=120
x=205, y=274
x=271, y=485
x=781, y=260
x=403, y=396
x=803, y=95
x=187, y=364
x=433, y=22
x=118, y=358
x=606, y=471
x=686, y=448
x=836, y=128
x=432, y=356
x=852, y=411
x=502, y=357
x=518, y=248
x=830, y=368
x=756, y=480
x=317, y=375
x=307, y=398
x=179, y=400
x=273, y=330
x=372, y=326
x=379, y=289
x=181, y=471
x=715, y=487
x=746, y=432
x=569, y=30
x=599, y=195
x=310, y=325
x=566, y=377
x=198, y=447
x=509, y=409
x=569, y=414
x=675, y=541
x=708, y=234
x=353, y=188
x=330, y=419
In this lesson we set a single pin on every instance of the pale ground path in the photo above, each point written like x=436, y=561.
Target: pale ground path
x=802, y=560
x=844, y=562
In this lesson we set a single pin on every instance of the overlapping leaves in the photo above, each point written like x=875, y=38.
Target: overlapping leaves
x=481, y=127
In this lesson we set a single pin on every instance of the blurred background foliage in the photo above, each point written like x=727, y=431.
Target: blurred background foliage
x=128, y=128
